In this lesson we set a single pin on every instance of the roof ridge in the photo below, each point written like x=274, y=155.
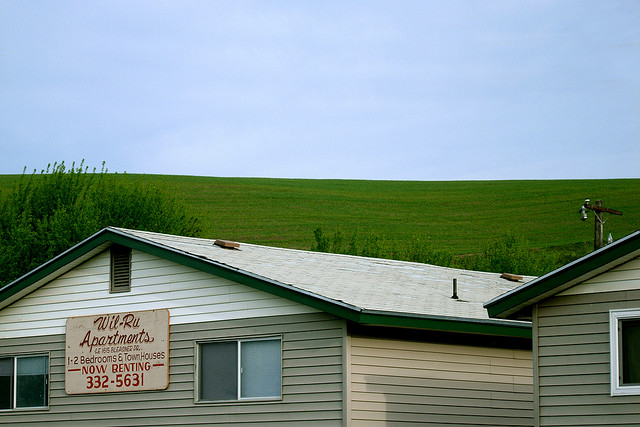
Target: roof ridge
x=383, y=261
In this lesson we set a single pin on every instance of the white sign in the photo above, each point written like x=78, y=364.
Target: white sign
x=117, y=352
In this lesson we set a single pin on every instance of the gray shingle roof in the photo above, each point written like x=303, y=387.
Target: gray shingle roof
x=366, y=283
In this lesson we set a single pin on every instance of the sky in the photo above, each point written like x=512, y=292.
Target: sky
x=378, y=90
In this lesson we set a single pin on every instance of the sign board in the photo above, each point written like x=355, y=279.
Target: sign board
x=117, y=352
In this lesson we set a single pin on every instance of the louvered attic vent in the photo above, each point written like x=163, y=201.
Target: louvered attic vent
x=120, y=269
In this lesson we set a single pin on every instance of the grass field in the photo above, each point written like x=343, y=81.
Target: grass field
x=459, y=216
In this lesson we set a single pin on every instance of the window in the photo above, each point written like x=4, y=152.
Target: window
x=24, y=382
x=625, y=351
x=120, y=269
x=240, y=369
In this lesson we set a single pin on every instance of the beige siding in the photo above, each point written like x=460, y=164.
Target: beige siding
x=192, y=296
x=311, y=390
x=573, y=353
x=407, y=382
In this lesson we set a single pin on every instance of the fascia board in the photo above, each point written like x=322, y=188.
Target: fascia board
x=53, y=268
x=590, y=265
x=107, y=236
x=506, y=328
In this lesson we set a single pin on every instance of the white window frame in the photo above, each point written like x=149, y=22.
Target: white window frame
x=238, y=398
x=14, y=382
x=615, y=317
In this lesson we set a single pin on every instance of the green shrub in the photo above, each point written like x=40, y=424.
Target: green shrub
x=511, y=254
x=507, y=254
x=321, y=241
x=51, y=211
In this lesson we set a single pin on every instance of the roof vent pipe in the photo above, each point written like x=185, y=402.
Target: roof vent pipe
x=455, y=289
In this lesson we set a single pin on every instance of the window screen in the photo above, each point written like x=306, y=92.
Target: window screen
x=24, y=382
x=219, y=371
x=260, y=368
x=6, y=383
x=630, y=335
x=242, y=369
x=31, y=381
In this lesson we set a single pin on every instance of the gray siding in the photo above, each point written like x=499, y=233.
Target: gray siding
x=573, y=360
x=311, y=385
x=395, y=382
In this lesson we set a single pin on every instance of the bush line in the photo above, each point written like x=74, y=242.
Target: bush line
x=509, y=253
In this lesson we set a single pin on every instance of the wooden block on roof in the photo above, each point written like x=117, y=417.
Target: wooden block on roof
x=512, y=277
x=228, y=244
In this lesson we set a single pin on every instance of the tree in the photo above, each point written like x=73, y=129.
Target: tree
x=49, y=212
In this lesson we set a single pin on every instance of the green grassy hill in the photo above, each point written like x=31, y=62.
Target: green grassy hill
x=459, y=216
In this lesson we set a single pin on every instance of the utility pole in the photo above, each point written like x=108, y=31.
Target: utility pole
x=598, y=209
x=599, y=226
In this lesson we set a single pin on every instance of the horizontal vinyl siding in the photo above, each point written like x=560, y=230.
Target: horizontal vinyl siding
x=407, y=382
x=311, y=380
x=573, y=352
x=192, y=296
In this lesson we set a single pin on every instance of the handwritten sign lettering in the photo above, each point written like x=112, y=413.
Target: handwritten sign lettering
x=117, y=352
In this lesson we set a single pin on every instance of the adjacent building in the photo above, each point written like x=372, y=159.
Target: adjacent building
x=586, y=337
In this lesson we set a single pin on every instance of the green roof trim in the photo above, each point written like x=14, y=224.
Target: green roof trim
x=50, y=267
x=509, y=304
x=449, y=324
x=105, y=237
